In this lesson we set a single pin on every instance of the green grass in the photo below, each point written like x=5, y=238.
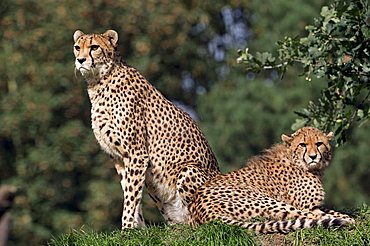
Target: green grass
x=358, y=234
x=221, y=234
x=211, y=234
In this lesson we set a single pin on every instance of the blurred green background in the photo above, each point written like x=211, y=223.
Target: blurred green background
x=188, y=50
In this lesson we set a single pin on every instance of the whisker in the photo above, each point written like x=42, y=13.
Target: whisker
x=75, y=72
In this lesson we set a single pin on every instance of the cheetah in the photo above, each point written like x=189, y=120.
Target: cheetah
x=151, y=141
x=282, y=185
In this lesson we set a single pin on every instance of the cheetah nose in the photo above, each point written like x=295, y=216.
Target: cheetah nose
x=313, y=157
x=81, y=60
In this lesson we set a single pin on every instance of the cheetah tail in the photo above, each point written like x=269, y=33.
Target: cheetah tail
x=286, y=226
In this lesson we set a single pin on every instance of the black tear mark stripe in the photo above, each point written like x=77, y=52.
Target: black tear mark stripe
x=304, y=153
x=92, y=59
x=90, y=53
x=318, y=150
x=102, y=50
x=305, y=148
x=326, y=148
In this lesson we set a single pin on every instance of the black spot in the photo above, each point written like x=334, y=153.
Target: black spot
x=262, y=227
x=313, y=223
x=326, y=223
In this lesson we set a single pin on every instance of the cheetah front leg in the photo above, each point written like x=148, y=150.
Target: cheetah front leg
x=132, y=180
x=314, y=206
x=138, y=212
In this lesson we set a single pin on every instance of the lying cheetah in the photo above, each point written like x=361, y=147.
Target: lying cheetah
x=150, y=139
x=282, y=184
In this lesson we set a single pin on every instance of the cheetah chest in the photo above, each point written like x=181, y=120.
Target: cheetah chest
x=106, y=129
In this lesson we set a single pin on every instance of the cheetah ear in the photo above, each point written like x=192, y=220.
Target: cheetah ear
x=330, y=135
x=77, y=34
x=285, y=138
x=112, y=36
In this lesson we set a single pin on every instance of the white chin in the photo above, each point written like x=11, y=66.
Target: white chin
x=313, y=165
x=84, y=72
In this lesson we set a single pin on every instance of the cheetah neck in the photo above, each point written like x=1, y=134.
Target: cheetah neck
x=102, y=73
x=96, y=87
x=318, y=173
x=279, y=151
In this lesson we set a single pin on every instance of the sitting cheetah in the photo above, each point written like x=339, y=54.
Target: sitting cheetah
x=151, y=140
x=282, y=184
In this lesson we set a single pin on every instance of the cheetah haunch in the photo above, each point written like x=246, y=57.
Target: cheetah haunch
x=283, y=184
x=150, y=139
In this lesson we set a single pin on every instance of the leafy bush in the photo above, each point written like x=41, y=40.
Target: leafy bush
x=337, y=48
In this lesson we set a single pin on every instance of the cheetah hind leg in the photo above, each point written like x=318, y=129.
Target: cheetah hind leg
x=138, y=213
x=190, y=177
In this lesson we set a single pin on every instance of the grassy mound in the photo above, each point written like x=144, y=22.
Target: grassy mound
x=217, y=233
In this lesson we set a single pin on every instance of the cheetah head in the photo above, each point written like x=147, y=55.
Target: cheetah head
x=310, y=148
x=95, y=53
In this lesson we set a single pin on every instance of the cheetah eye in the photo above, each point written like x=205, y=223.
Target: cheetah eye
x=303, y=145
x=77, y=47
x=318, y=144
x=94, y=47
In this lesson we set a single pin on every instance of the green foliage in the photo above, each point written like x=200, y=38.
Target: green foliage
x=273, y=19
x=337, y=48
x=349, y=172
